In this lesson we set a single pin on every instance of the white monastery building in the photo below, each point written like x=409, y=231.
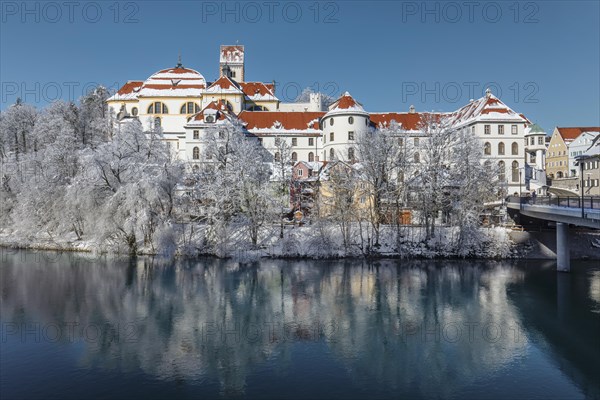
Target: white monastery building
x=185, y=106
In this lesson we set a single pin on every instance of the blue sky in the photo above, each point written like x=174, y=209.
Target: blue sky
x=541, y=57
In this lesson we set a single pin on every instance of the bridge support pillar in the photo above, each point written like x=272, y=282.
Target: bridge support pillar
x=563, y=258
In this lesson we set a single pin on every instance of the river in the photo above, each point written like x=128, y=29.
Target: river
x=76, y=325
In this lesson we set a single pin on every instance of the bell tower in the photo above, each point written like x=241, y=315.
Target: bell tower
x=232, y=57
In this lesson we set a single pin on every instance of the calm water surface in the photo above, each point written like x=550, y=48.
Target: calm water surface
x=74, y=326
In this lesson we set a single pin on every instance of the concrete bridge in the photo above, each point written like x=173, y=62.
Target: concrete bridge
x=564, y=211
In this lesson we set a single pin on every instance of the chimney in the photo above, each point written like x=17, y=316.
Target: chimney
x=411, y=110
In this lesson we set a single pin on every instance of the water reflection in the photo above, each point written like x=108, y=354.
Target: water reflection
x=420, y=329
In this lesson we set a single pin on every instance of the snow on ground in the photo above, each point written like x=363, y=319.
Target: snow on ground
x=318, y=241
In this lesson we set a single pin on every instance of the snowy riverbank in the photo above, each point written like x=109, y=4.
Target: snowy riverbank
x=299, y=242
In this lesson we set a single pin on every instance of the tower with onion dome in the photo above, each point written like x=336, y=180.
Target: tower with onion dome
x=342, y=125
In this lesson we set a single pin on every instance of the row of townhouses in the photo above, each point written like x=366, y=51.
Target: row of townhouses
x=186, y=107
x=573, y=160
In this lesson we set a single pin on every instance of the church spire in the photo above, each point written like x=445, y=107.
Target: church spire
x=179, y=65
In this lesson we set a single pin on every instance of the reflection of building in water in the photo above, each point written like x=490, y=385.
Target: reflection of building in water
x=198, y=321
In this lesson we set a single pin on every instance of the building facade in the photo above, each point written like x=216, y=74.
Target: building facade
x=186, y=108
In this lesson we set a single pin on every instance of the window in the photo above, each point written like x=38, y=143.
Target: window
x=331, y=121
x=540, y=140
x=196, y=153
x=311, y=157
x=221, y=135
x=300, y=172
x=331, y=136
x=487, y=149
x=331, y=154
x=294, y=141
x=417, y=157
x=500, y=129
x=157, y=122
x=501, y=148
x=351, y=154
x=513, y=129
x=487, y=129
x=189, y=108
x=311, y=141
x=416, y=141
x=400, y=142
x=351, y=135
x=350, y=120
x=277, y=156
x=501, y=171
x=294, y=156
x=473, y=129
x=324, y=123
x=532, y=141
x=134, y=111
x=158, y=108
x=196, y=134
x=515, y=171
x=514, y=149
x=366, y=121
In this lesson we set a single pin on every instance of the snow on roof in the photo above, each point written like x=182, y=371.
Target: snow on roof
x=408, y=121
x=265, y=122
x=594, y=149
x=224, y=85
x=174, y=82
x=345, y=104
x=487, y=108
x=128, y=91
x=259, y=91
x=232, y=54
x=217, y=109
x=571, y=133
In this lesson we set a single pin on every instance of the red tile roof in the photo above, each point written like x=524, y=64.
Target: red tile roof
x=288, y=120
x=225, y=83
x=572, y=132
x=409, y=121
x=257, y=88
x=129, y=87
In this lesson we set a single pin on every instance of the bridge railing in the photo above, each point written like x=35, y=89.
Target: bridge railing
x=592, y=202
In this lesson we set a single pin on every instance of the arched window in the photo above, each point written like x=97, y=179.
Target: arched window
x=501, y=171
x=196, y=153
x=559, y=174
x=514, y=149
x=311, y=157
x=158, y=108
x=350, y=120
x=331, y=155
x=417, y=157
x=331, y=136
x=189, y=108
x=487, y=165
x=515, y=171
x=351, y=154
x=331, y=121
x=487, y=149
x=501, y=148
x=195, y=168
x=294, y=157
x=134, y=111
